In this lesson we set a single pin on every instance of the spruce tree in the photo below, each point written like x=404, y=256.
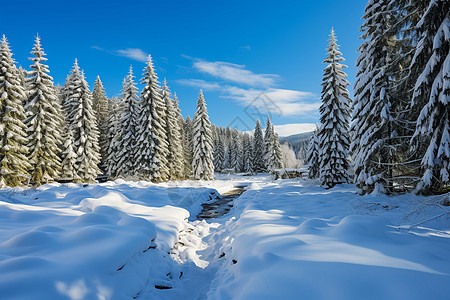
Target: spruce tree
x=248, y=150
x=117, y=111
x=259, y=164
x=335, y=117
x=179, y=161
x=43, y=120
x=431, y=96
x=73, y=81
x=273, y=156
x=174, y=140
x=124, y=120
x=14, y=164
x=151, y=138
x=69, y=158
x=373, y=128
x=219, y=155
x=202, y=161
x=187, y=147
x=267, y=138
x=312, y=156
x=100, y=105
x=84, y=127
x=236, y=151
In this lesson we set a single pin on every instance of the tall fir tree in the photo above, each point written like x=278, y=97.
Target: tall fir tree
x=14, y=164
x=273, y=156
x=43, y=120
x=202, y=161
x=259, y=164
x=179, y=161
x=335, y=118
x=115, y=133
x=219, y=154
x=125, y=137
x=187, y=147
x=68, y=158
x=100, y=105
x=248, y=151
x=267, y=138
x=174, y=140
x=151, y=138
x=373, y=128
x=68, y=90
x=312, y=155
x=84, y=127
x=431, y=96
x=236, y=151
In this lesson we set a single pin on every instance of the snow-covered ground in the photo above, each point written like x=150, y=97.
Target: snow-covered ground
x=287, y=239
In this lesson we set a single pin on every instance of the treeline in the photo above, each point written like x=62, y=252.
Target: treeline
x=399, y=139
x=236, y=151
x=69, y=133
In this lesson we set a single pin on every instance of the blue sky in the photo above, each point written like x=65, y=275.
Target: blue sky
x=236, y=51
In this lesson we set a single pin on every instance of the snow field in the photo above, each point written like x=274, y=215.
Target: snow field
x=105, y=241
x=286, y=239
x=292, y=240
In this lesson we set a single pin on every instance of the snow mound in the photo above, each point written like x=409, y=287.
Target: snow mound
x=292, y=240
x=105, y=241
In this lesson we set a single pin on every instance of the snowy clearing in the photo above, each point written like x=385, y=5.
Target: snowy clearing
x=286, y=239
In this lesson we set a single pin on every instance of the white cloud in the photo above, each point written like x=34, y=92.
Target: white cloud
x=280, y=101
x=97, y=48
x=234, y=73
x=262, y=93
x=199, y=83
x=296, y=128
x=133, y=53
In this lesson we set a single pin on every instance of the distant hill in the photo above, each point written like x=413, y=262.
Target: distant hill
x=296, y=138
x=299, y=142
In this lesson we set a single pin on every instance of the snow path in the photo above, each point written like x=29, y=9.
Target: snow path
x=197, y=252
x=287, y=239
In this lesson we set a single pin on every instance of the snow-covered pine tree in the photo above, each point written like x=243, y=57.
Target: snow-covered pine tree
x=432, y=96
x=23, y=73
x=373, y=126
x=259, y=164
x=202, y=162
x=180, y=167
x=174, y=159
x=228, y=163
x=69, y=158
x=312, y=155
x=278, y=155
x=73, y=81
x=84, y=128
x=43, y=120
x=14, y=164
x=228, y=157
x=236, y=151
x=267, y=138
x=187, y=147
x=151, y=139
x=335, y=118
x=273, y=156
x=100, y=105
x=219, y=154
x=125, y=119
x=115, y=127
x=248, y=150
